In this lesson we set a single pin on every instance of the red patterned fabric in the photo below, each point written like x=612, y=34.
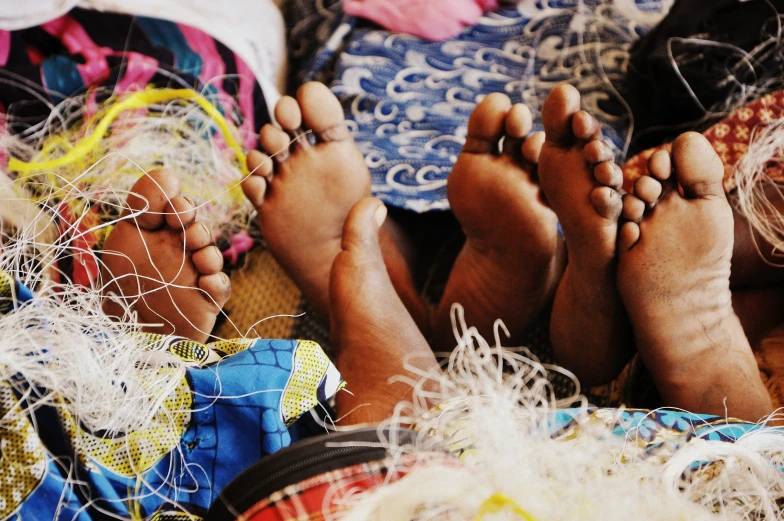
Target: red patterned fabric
x=327, y=494
x=730, y=138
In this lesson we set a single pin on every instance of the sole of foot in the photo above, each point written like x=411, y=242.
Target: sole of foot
x=304, y=187
x=511, y=262
x=159, y=262
x=374, y=335
x=589, y=328
x=674, y=263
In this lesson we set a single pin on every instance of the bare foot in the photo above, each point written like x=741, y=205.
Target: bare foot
x=374, y=335
x=589, y=328
x=512, y=259
x=160, y=260
x=304, y=198
x=673, y=276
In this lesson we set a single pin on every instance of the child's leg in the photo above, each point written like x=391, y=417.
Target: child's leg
x=160, y=261
x=513, y=257
x=304, y=200
x=374, y=336
x=589, y=328
x=674, y=278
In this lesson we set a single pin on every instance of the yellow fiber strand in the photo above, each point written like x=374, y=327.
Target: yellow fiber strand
x=136, y=100
x=498, y=502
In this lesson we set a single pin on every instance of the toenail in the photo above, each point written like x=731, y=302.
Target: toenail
x=281, y=155
x=339, y=132
x=190, y=201
x=380, y=215
x=225, y=279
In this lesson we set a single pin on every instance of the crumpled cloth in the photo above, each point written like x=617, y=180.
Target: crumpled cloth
x=434, y=20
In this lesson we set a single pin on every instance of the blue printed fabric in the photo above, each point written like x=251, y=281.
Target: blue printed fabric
x=408, y=100
x=239, y=401
x=650, y=429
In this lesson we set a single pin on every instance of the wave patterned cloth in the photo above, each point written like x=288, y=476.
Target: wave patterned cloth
x=408, y=100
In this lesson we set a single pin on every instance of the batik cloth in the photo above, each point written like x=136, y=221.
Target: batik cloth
x=223, y=417
x=730, y=138
x=408, y=100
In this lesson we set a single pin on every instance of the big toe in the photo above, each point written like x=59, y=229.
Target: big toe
x=320, y=108
x=151, y=195
x=698, y=168
x=486, y=124
x=360, y=231
x=559, y=107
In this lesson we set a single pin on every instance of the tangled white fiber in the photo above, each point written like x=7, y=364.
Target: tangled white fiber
x=178, y=135
x=102, y=371
x=503, y=422
x=759, y=198
x=63, y=345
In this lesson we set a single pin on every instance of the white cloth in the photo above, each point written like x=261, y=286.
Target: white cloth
x=253, y=29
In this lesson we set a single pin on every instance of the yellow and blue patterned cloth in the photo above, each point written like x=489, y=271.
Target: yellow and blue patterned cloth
x=223, y=417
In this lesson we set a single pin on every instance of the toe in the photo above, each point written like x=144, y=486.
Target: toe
x=561, y=105
x=255, y=185
x=180, y=213
x=660, y=165
x=628, y=236
x=597, y=151
x=607, y=202
x=289, y=117
x=275, y=142
x=196, y=236
x=486, y=124
x=609, y=174
x=217, y=286
x=585, y=126
x=208, y=260
x=259, y=164
x=697, y=167
x=517, y=125
x=647, y=189
x=322, y=112
x=633, y=208
x=518, y=121
x=532, y=147
x=287, y=114
x=151, y=195
x=360, y=231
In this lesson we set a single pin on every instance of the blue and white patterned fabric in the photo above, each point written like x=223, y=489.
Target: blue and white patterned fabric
x=408, y=100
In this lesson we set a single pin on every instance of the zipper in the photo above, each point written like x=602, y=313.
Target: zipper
x=303, y=460
x=333, y=453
